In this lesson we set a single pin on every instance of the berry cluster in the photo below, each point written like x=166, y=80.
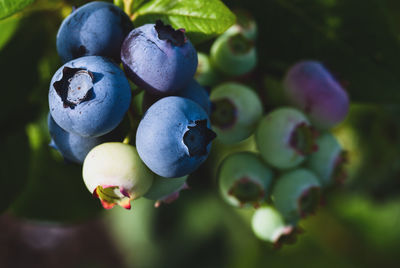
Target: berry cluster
x=297, y=158
x=90, y=97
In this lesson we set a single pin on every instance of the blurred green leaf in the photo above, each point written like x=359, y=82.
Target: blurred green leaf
x=9, y=7
x=22, y=62
x=7, y=28
x=374, y=167
x=14, y=162
x=376, y=224
x=137, y=3
x=55, y=189
x=201, y=19
x=134, y=232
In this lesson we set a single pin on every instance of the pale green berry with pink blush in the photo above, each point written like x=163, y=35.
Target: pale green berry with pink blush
x=166, y=190
x=115, y=174
x=296, y=194
x=244, y=180
x=269, y=225
x=285, y=137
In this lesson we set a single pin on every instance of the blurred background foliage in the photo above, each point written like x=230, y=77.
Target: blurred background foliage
x=356, y=227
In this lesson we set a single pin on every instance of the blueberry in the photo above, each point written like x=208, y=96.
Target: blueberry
x=94, y=29
x=296, y=194
x=73, y=147
x=327, y=163
x=89, y=96
x=311, y=88
x=114, y=173
x=284, y=137
x=269, y=225
x=194, y=91
x=166, y=190
x=244, y=179
x=174, y=137
x=233, y=55
x=205, y=74
x=236, y=112
x=158, y=58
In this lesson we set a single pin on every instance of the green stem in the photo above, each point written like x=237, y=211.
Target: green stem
x=128, y=4
x=134, y=16
x=134, y=123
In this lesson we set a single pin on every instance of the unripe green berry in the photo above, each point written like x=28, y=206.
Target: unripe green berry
x=233, y=55
x=244, y=179
x=236, y=112
x=296, y=194
x=284, y=137
x=115, y=174
x=269, y=225
x=245, y=24
x=166, y=190
x=327, y=163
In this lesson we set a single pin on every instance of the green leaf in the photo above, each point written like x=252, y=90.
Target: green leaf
x=7, y=28
x=137, y=3
x=32, y=43
x=54, y=190
x=201, y=19
x=9, y=7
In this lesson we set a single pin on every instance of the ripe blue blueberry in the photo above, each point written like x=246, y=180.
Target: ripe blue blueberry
x=89, y=96
x=94, y=29
x=174, y=137
x=114, y=173
x=284, y=137
x=158, y=58
x=236, y=112
x=166, y=190
x=73, y=147
x=233, y=54
x=296, y=194
x=327, y=163
x=244, y=179
x=311, y=88
x=194, y=91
